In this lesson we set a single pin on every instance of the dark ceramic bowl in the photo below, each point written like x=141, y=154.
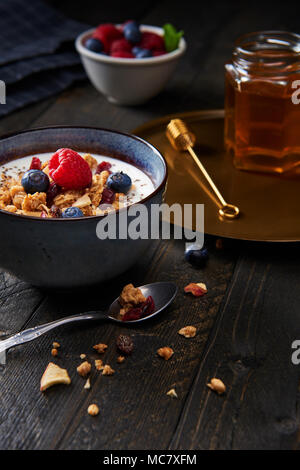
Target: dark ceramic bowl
x=66, y=253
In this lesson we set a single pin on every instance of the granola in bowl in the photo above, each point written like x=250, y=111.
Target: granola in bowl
x=67, y=184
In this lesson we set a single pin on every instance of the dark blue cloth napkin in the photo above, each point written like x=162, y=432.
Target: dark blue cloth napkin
x=35, y=61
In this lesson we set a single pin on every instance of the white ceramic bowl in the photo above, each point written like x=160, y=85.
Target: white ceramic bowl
x=128, y=81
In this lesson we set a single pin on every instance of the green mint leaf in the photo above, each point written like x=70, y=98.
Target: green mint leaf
x=172, y=37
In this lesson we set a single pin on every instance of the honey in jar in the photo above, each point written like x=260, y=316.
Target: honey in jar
x=262, y=104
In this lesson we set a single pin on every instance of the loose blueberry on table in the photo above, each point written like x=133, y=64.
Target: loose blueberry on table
x=196, y=256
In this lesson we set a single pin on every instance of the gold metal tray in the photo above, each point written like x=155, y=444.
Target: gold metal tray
x=270, y=205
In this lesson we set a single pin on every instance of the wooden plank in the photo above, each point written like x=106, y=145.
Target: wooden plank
x=18, y=301
x=23, y=118
x=133, y=402
x=251, y=352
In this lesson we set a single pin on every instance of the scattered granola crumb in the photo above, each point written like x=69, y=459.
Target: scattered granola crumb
x=172, y=393
x=93, y=410
x=54, y=352
x=188, y=331
x=165, y=352
x=99, y=364
x=100, y=348
x=217, y=385
x=197, y=289
x=219, y=244
x=82, y=356
x=120, y=359
x=107, y=370
x=84, y=369
x=87, y=384
x=54, y=375
x=56, y=345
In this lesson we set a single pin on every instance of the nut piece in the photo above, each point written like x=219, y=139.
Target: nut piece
x=107, y=370
x=99, y=364
x=172, y=393
x=165, y=352
x=217, y=385
x=93, y=410
x=54, y=352
x=120, y=359
x=84, y=369
x=82, y=356
x=188, y=331
x=54, y=375
x=100, y=348
x=56, y=345
x=197, y=289
x=91, y=161
x=87, y=384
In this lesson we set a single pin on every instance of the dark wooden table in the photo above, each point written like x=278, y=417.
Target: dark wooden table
x=246, y=323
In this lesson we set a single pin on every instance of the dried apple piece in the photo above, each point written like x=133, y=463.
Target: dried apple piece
x=54, y=375
x=197, y=289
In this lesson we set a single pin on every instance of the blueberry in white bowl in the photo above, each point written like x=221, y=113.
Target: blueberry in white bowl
x=95, y=45
x=143, y=53
x=132, y=32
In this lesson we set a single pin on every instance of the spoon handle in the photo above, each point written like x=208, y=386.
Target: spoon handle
x=33, y=333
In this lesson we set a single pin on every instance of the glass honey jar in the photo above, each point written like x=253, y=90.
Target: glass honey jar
x=262, y=102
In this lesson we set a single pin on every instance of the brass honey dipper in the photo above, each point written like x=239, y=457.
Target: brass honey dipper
x=182, y=139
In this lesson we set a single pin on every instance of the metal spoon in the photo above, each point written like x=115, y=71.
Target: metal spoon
x=163, y=294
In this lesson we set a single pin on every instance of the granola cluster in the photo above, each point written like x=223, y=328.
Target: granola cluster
x=13, y=197
x=130, y=297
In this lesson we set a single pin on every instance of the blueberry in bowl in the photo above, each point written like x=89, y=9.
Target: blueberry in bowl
x=35, y=181
x=72, y=212
x=119, y=182
x=95, y=45
x=132, y=32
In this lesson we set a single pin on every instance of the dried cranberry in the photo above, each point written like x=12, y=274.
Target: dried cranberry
x=103, y=166
x=36, y=164
x=148, y=307
x=143, y=310
x=55, y=212
x=133, y=314
x=125, y=344
x=53, y=191
x=108, y=196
